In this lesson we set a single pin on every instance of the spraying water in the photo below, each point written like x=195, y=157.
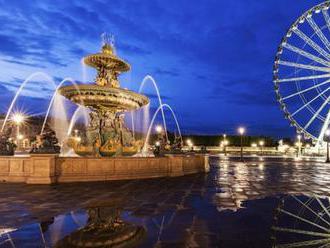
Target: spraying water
x=84, y=70
x=60, y=122
x=146, y=118
x=149, y=78
x=160, y=108
x=28, y=79
x=80, y=111
x=53, y=98
x=132, y=121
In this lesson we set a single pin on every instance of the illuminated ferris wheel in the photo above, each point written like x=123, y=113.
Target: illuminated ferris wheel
x=302, y=73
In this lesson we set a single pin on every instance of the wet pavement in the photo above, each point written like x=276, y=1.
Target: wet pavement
x=231, y=206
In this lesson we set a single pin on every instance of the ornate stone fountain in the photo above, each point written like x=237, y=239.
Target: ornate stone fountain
x=106, y=133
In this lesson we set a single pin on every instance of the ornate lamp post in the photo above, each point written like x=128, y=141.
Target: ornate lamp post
x=241, y=131
x=327, y=136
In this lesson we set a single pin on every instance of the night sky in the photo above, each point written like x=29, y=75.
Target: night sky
x=212, y=59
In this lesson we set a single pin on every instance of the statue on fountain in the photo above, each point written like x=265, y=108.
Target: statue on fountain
x=46, y=143
x=107, y=134
x=7, y=146
x=161, y=144
x=177, y=145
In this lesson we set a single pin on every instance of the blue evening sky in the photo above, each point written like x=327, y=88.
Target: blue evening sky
x=212, y=59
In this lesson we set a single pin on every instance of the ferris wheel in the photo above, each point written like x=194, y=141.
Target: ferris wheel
x=301, y=73
x=302, y=221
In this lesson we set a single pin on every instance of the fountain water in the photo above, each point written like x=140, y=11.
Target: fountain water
x=22, y=86
x=81, y=111
x=146, y=118
x=132, y=123
x=149, y=78
x=55, y=95
x=160, y=108
x=84, y=70
x=60, y=121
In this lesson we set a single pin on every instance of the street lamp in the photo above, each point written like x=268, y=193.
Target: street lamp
x=18, y=118
x=190, y=144
x=327, y=136
x=261, y=144
x=225, y=143
x=159, y=129
x=298, y=144
x=241, y=131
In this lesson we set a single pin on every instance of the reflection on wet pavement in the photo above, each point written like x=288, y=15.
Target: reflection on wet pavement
x=232, y=206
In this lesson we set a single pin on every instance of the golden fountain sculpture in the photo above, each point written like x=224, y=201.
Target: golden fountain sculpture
x=106, y=133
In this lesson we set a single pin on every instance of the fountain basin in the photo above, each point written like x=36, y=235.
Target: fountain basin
x=49, y=169
x=99, y=97
x=109, y=60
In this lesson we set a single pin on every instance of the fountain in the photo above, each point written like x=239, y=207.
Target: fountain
x=106, y=133
x=103, y=144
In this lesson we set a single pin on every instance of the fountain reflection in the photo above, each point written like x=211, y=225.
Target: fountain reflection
x=104, y=228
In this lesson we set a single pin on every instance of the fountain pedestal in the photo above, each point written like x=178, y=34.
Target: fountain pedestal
x=42, y=169
x=49, y=168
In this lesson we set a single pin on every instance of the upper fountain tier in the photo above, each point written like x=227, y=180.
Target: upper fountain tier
x=106, y=93
x=108, y=66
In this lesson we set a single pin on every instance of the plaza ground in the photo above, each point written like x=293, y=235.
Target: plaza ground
x=231, y=206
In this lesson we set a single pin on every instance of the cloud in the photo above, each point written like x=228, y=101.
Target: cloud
x=226, y=58
x=132, y=49
x=171, y=73
x=13, y=61
x=155, y=96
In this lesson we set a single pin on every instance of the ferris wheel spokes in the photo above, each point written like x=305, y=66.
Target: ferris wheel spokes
x=311, y=43
x=307, y=243
x=305, y=90
x=327, y=75
x=304, y=66
x=324, y=128
x=304, y=220
x=310, y=209
x=309, y=224
x=308, y=103
x=318, y=32
x=317, y=113
x=306, y=54
x=326, y=18
x=321, y=204
x=300, y=231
